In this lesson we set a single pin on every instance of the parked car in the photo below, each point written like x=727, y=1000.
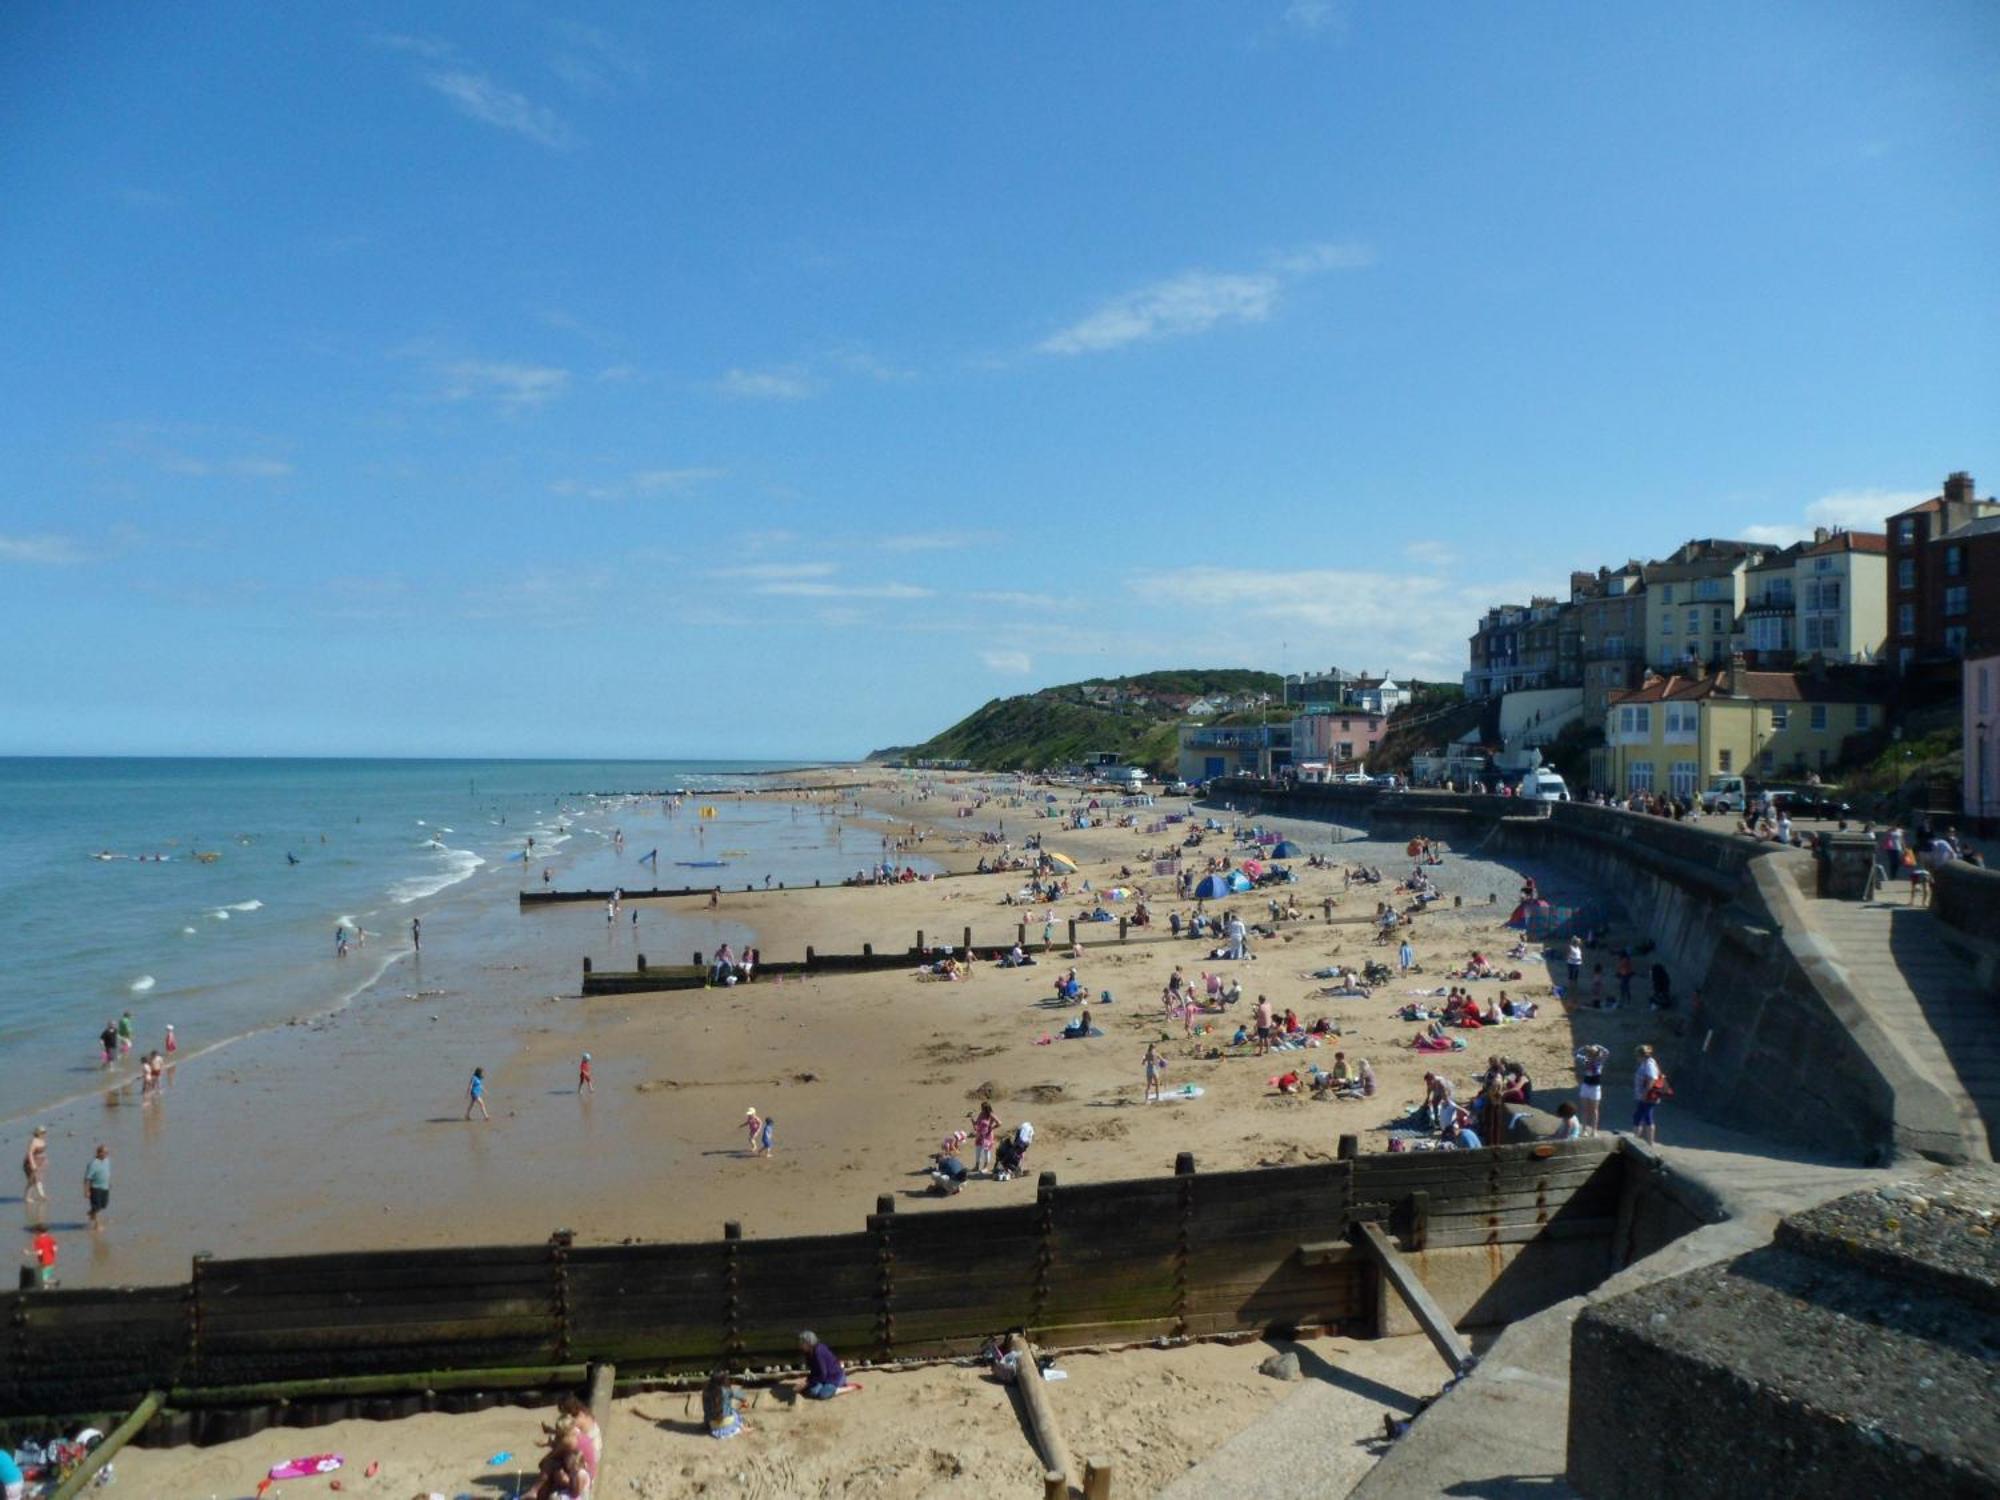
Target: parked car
x=1807, y=802
x=1727, y=794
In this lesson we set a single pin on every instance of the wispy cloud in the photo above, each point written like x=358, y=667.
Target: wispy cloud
x=1013, y=663
x=514, y=386
x=784, y=383
x=1196, y=301
x=934, y=541
x=1015, y=599
x=643, y=482
x=1852, y=510
x=591, y=61
x=771, y=572
x=795, y=589
x=1316, y=18
x=1432, y=554
x=435, y=49
x=247, y=467
x=480, y=98
x=47, y=550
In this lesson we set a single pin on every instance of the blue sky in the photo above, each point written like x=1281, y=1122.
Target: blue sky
x=772, y=380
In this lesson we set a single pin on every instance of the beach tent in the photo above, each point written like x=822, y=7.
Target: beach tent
x=1212, y=888
x=1252, y=868
x=1285, y=849
x=1529, y=914
x=1238, y=881
x=1060, y=861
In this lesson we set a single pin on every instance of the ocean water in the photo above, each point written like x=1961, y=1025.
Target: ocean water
x=222, y=946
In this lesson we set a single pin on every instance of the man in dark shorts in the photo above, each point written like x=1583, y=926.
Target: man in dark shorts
x=97, y=1185
x=1263, y=1026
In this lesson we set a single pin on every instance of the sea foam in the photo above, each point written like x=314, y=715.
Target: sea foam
x=143, y=983
x=458, y=865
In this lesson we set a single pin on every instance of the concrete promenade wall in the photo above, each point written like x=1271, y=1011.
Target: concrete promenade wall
x=1967, y=901
x=1779, y=1043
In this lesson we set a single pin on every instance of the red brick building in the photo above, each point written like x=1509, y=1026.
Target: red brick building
x=1944, y=577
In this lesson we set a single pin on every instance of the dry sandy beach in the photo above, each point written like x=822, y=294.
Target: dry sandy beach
x=940, y=1431
x=863, y=1074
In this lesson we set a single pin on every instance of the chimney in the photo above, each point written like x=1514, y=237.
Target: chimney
x=1735, y=682
x=1958, y=487
x=1821, y=534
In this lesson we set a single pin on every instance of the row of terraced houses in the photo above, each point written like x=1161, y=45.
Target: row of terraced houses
x=1734, y=656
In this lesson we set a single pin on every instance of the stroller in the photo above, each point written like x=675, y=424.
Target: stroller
x=1013, y=1151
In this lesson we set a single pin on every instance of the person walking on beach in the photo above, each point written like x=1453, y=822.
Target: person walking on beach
x=1049, y=930
x=767, y=1137
x=584, y=1085
x=1236, y=933
x=97, y=1186
x=41, y=1252
x=753, y=1128
x=417, y=933
x=1153, y=1065
x=125, y=1034
x=475, y=1095
x=108, y=1040
x=1406, y=956
x=34, y=1167
x=1574, y=959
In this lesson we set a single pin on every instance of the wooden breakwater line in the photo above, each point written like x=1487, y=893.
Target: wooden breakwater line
x=313, y=1338
x=545, y=897
x=646, y=978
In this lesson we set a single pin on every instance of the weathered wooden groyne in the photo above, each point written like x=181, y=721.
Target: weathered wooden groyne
x=301, y=1340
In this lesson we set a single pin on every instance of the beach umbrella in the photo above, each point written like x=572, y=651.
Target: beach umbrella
x=1060, y=861
x=1212, y=888
x=1285, y=849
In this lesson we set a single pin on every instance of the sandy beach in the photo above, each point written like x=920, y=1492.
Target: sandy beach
x=863, y=1073
x=938, y=1431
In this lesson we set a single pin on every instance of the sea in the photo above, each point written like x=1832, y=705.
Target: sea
x=206, y=893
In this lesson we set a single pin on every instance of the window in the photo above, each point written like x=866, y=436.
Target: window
x=1862, y=718
x=1683, y=720
x=1906, y=530
x=1906, y=573
x=1781, y=717
x=1819, y=718
x=1709, y=588
x=1906, y=621
x=1822, y=565
x=1666, y=593
x=1985, y=692
x=1724, y=759
x=1682, y=776
x=1717, y=623
x=1666, y=624
x=1824, y=595
x=1639, y=776
x=1954, y=639
x=1954, y=599
x=1694, y=622
x=1766, y=761
x=1954, y=561
x=1614, y=645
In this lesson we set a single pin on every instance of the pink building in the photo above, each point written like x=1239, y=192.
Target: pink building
x=1342, y=740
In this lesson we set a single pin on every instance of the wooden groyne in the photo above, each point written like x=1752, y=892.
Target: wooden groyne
x=546, y=897
x=303, y=1340
x=647, y=978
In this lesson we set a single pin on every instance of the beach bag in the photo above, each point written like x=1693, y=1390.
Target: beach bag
x=1659, y=1089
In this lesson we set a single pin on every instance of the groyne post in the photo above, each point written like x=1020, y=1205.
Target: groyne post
x=881, y=1224
x=1184, y=1244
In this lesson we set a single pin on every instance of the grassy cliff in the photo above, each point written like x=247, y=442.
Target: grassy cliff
x=1061, y=725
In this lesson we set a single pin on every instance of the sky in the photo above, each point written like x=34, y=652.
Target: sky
x=786, y=381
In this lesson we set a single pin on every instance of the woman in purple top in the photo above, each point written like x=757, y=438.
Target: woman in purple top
x=824, y=1376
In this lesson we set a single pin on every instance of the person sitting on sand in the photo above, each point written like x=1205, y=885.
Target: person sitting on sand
x=1287, y=1083
x=948, y=1172
x=1080, y=1027
x=719, y=1406
x=563, y=1476
x=825, y=1378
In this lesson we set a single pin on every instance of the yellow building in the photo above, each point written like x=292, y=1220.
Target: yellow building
x=1693, y=603
x=1670, y=735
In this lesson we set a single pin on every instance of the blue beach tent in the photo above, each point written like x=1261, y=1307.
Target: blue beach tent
x=1285, y=849
x=1212, y=888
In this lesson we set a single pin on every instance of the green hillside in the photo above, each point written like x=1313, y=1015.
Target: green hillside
x=1061, y=725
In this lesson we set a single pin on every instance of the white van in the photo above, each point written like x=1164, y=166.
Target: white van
x=1543, y=785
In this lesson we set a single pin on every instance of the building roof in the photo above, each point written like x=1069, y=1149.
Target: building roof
x=1758, y=687
x=1984, y=526
x=1707, y=567
x=1850, y=541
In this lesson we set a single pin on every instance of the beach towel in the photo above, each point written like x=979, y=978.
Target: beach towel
x=305, y=1468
